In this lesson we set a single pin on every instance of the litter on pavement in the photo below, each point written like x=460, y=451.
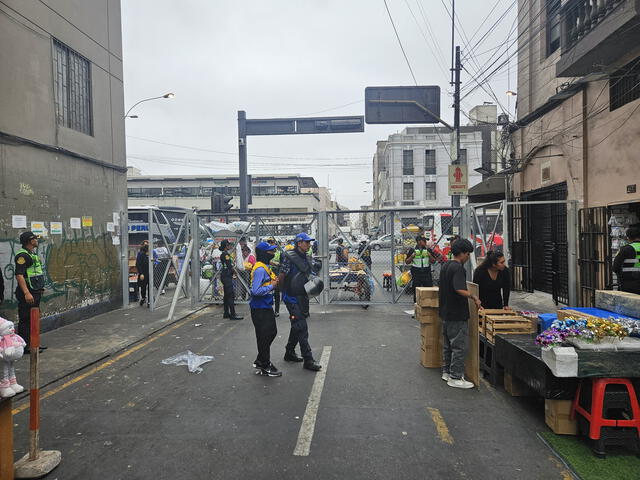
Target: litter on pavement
x=190, y=359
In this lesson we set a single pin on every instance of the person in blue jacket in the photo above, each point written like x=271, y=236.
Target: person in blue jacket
x=263, y=284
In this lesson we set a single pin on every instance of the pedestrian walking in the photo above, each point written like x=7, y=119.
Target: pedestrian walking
x=627, y=262
x=420, y=259
x=295, y=268
x=30, y=277
x=454, y=312
x=263, y=284
x=226, y=276
x=494, y=281
x=142, y=267
x=342, y=254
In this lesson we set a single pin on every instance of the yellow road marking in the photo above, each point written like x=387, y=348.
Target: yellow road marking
x=108, y=363
x=441, y=426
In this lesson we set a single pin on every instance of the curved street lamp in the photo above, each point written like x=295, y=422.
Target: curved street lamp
x=166, y=95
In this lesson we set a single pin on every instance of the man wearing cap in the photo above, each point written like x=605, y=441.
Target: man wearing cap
x=263, y=284
x=226, y=276
x=420, y=259
x=30, y=277
x=294, y=269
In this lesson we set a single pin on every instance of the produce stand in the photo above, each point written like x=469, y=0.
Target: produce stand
x=355, y=281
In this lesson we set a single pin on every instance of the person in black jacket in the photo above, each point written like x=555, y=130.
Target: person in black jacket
x=494, y=281
x=142, y=267
x=627, y=262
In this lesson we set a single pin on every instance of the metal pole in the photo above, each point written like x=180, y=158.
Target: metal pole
x=455, y=199
x=391, y=220
x=242, y=153
x=151, y=296
x=196, y=268
x=505, y=231
x=325, y=255
x=124, y=256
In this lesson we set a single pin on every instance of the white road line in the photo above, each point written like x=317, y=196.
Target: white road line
x=309, y=420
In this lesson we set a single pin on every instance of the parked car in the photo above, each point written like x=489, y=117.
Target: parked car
x=382, y=242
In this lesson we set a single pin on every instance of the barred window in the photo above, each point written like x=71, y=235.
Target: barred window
x=407, y=162
x=407, y=191
x=553, y=25
x=72, y=89
x=430, y=162
x=430, y=191
x=624, y=85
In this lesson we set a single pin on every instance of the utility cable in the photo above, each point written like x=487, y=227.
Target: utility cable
x=400, y=42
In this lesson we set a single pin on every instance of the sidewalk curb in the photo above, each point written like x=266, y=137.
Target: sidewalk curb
x=111, y=352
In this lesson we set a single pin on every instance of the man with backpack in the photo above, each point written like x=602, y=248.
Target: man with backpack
x=295, y=269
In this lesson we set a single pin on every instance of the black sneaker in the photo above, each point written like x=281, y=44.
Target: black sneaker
x=141, y=301
x=292, y=357
x=270, y=371
x=257, y=364
x=236, y=317
x=312, y=365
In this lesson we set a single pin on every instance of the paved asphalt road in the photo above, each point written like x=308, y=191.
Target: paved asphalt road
x=380, y=415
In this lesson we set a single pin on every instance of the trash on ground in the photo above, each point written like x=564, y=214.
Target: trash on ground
x=409, y=312
x=190, y=359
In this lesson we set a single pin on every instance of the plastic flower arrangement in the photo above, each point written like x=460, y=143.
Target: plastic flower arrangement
x=590, y=330
x=602, y=327
x=633, y=326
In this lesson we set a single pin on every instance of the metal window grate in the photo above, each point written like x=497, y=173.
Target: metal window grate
x=72, y=89
x=594, y=261
x=624, y=85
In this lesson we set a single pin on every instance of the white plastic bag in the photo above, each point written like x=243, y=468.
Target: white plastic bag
x=190, y=359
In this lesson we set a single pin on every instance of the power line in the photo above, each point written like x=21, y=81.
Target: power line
x=400, y=42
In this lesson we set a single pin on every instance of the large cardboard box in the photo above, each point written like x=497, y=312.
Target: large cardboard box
x=557, y=415
x=426, y=314
x=431, y=344
x=427, y=296
x=431, y=358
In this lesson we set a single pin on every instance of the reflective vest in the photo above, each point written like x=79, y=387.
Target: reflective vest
x=266, y=268
x=35, y=275
x=632, y=265
x=421, y=258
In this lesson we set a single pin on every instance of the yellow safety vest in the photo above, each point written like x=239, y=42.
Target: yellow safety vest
x=266, y=268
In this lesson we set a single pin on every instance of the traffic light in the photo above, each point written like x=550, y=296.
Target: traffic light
x=220, y=203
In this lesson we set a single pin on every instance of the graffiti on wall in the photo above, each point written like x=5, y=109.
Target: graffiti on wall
x=81, y=269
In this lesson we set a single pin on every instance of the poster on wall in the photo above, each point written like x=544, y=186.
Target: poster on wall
x=75, y=223
x=38, y=228
x=116, y=218
x=111, y=227
x=56, y=228
x=115, y=240
x=87, y=221
x=19, y=221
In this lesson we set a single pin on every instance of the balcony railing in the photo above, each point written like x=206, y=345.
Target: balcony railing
x=582, y=16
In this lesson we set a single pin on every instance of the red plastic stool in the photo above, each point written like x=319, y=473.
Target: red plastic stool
x=596, y=414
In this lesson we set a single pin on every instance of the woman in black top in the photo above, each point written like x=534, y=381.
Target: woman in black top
x=494, y=281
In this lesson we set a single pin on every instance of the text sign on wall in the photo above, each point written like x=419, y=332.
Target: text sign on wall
x=458, y=180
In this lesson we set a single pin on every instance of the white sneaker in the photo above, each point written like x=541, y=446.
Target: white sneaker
x=459, y=383
x=17, y=388
x=445, y=377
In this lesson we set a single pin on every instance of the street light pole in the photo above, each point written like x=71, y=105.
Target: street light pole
x=166, y=95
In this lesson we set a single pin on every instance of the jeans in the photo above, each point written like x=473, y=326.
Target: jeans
x=299, y=333
x=454, y=347
x=264, y=322
x=24, y=314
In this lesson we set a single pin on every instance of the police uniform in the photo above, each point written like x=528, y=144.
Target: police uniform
x=627, y=267
x=226, y=276
x=28, y=265
x=421, y=269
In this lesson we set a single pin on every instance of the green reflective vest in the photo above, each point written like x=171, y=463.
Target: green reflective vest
x=632, y=265
x=35, y=275
x=421, y=258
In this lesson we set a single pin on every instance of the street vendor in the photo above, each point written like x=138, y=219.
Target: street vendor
x=627, y=262
x=420, y=259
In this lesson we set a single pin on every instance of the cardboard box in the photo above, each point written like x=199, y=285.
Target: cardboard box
x=427, y=296
x=557, y=415
x=426, y=314
x=431, y=345
x=431, y=357
x=431, y=332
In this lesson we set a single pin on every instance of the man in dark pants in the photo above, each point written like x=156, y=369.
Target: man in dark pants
x=627, y=262
x=420, y=259
x=263, y=283
x=30, y=278
x=454, y=312
x=142, y=267
x=226, y=276
x=292, y=279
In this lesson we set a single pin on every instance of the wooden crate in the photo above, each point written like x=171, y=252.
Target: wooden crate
x=564, y=314
x=506, y=324
x=490, y=311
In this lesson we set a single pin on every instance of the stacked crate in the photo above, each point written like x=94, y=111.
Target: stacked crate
x=426, y=312
x=507, y=324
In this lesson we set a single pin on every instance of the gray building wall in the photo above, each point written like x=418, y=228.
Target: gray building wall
x=49, y=172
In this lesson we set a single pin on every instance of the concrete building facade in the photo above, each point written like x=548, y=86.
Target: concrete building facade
x=62, y=150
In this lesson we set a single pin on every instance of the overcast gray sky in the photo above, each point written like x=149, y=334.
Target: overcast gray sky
x=287, y=58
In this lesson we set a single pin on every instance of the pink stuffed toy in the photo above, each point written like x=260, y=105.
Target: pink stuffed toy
x=11, y=349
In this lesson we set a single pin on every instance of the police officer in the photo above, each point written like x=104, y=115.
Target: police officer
x=30, y=277
x=627, y=262
x=226, y=276
x=420, y=259
x=295, y=266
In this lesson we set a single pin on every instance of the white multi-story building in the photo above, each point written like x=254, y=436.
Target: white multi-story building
x=411, y=168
